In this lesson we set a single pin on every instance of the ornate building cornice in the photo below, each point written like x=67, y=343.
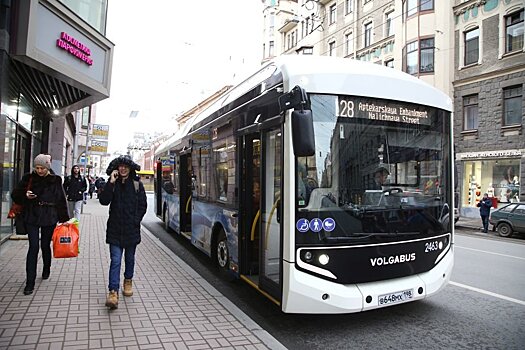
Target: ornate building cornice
x=464, y=7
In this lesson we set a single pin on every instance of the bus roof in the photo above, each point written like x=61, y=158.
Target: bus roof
x=326, y=75
x=343, y=76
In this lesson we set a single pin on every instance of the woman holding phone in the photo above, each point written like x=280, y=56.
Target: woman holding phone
x=44, y=201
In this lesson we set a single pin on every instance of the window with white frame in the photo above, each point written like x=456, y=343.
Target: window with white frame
x=412, y=58
x=349, y=43
x=270, y=49
x=389, y=30
x=331, y=48
x=514, y=29
x=470, y=112
x=471, y=46
x=333, y=9
x=348, y=6
x=512, y=105
x=368, y=34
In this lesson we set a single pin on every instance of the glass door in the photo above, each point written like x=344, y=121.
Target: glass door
x=270, y=240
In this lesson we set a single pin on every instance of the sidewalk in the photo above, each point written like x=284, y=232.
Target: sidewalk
x=172, y=306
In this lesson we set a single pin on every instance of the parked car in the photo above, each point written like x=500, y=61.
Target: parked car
x=509, y=219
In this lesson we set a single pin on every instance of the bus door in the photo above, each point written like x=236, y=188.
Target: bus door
x=158, y=188
x=270, y=239
x=185, y=186
x=250, y=205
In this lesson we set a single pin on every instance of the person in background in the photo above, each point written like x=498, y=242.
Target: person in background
x=126, y=197
x=91, y=181
x=484, y=206
x=380, y=177
x=44, y=201
x=75, y=185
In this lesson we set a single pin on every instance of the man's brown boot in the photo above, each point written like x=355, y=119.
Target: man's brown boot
x=127, y=290
x=112, y=300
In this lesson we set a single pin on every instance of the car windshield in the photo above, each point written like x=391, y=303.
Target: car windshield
x=380, y=172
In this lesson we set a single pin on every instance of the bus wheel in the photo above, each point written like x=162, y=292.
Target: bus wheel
x=504, y=230
x=222, y=256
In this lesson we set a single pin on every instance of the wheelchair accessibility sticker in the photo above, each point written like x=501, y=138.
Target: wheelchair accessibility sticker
x=302, y=225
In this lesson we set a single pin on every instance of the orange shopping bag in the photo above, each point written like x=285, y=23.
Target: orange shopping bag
x=65, y=240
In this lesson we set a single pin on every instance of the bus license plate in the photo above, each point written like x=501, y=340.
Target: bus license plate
x=397, y=297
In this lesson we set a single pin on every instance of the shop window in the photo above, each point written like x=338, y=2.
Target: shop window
x=470, y=112
x=498, y=178
x=472, y=46
x=512, y=105
x=514, y=32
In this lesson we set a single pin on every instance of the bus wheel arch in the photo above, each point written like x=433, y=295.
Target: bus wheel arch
x=219, y=248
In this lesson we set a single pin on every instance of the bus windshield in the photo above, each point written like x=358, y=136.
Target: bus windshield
x=380, y=170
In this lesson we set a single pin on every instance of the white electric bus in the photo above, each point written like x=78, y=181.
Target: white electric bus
x=325, y=183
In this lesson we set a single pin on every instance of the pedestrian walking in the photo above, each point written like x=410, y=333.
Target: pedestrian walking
x=75, y=185
x=484, y=210
x=42, y=196
x=126, y=197
x=91, y=182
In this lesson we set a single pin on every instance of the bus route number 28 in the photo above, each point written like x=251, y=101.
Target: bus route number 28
x=346, y=108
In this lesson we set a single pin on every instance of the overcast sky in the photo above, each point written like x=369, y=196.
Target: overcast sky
x=169, y=55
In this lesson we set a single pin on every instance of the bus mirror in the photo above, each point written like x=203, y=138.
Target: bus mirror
x=303, y=133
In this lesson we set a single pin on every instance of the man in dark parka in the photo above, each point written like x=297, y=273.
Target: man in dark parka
x=125, y=195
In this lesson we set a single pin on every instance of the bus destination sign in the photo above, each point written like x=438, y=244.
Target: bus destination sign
x=375, y=109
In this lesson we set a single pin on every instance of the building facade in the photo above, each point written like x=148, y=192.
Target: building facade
x=489, y=61
x=54, y=60
x=471, y=50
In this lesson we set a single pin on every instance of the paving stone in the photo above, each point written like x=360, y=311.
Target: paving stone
x=169, y=308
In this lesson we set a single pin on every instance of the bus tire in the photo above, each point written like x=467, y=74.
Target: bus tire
x=221, y=254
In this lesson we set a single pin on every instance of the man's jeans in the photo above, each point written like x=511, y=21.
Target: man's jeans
x=116, y=260
x=74, y=208
x=485, y=220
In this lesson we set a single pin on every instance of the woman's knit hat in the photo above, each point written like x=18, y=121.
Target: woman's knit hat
x=43, y=160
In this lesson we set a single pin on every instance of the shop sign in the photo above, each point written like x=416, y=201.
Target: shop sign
x=489, y=154
x=75, y=48
x=100, y=132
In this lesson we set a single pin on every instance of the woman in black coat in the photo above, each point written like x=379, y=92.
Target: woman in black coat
x=44, y=201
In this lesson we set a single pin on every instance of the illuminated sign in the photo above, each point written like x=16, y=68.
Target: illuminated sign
x=383, y=110
x=489, y=154
x=75, y=48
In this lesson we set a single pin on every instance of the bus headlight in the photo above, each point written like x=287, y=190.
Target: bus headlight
x=308, y=256
x=323, y=259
